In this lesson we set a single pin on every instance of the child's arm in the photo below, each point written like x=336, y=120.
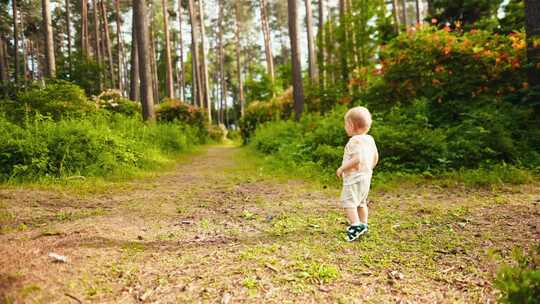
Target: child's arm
x=353, y=162
x=375, y=158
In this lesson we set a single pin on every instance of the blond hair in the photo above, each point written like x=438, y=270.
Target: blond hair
x=359, y=118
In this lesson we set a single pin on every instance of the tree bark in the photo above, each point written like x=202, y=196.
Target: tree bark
x=68, y=32
x=404, y=12
x=153, y=63
x=223, y=85
x=204, y=66
x=196, y=79
x=134, y=90
x=85, y=42
x=418, y=20
x=48, y=35
x=532, y=25
x=97, y=47
x=3, y=67
x=313, y=71
x=168, y=62
x=395, y=14
x=16, y=40
x=238, y=63
x=321, y=37
x=105, y=23
x=298, y=86
x=180, y=77
x=145, y=73
x=119, y=46
x=344, y=44
x=267, y=40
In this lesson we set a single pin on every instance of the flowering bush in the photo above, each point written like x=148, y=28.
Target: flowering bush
x=112, y=100
x=173, y=109
x=258, y=112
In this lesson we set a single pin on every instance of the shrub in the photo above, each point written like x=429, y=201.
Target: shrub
x=112, y=100
x=259, y=112
x=175, y=110
x=57, y=99
x=520, y=283
x=96, y=145
x=217, y=133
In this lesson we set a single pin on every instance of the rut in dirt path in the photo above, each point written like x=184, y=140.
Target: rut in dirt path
x=219, y=228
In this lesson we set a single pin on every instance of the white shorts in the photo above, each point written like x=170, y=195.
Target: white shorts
x=356, y=195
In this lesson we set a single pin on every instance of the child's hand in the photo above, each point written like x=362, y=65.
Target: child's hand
x=339, y=172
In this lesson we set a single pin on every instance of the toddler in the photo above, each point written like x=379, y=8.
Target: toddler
x=359, y=159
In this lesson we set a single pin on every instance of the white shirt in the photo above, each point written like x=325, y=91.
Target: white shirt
x=363, y=146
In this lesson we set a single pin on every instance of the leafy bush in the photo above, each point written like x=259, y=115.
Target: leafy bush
x=112, y=100
x=217, y=133
x=57, y=99
x=259, y=112
x=175, y=110
x=520, y=283
x=96, y=145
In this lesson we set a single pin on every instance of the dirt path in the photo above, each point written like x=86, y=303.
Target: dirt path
x=217, y=229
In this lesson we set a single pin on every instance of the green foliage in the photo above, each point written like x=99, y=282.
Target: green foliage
x=216, y=133
x=514, y=17
x=175, y=110
x=57, y=99
x=112, y=100
x=85, y=72
x=520, y=283
x=259, y=112
x=96, y=145
x=467, y=12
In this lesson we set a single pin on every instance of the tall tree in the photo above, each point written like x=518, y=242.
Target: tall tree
x=15, y=39
x=196, y=79
x=119, y=45
x=134, y=90
x=532, y=26
x=321, y=37
x=298, y=87
x=85, y=41
x=108, y=47
x=404, y=13
x=97, y=47
x=3, y=66
x=343, y=43
x=168, y=62
x=417, y=6
x=395, y=14
x=143, y=47
x=238, y=60
x=181, y=77
x=48, y=35
x=312, y=59
x=204, y=66
x=68, y=33
x=221, y=54
x=267, y=40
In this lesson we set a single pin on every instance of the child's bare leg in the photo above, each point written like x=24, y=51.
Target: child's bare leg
x=363, y=214
x=352, y=216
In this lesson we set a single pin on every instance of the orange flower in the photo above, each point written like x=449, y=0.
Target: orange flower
x=434, y=21
x=525, y=85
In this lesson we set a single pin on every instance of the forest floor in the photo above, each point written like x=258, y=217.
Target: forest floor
x=218, y=228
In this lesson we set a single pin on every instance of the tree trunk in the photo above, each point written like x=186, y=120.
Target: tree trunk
x=313, y=71
x=119, y=47
x=153, y=64
x=97, y=47
x=418, y=20
x=267, y=40
x=105, y=23
x=3, y=67
x=168, y=63
x=16, y=40
x=238, y=63
x=196, y=79
x=298, y=86
x=404, y=13
x=532, y=25
x=203, y=62
x=344, y=45
x=145, y=73
x=84, y=28
x=68, y=32
x=223, y=85
x=321, y=34
x=134, y=91
x=180, y=77
x=395, y=14
x=49, y=44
